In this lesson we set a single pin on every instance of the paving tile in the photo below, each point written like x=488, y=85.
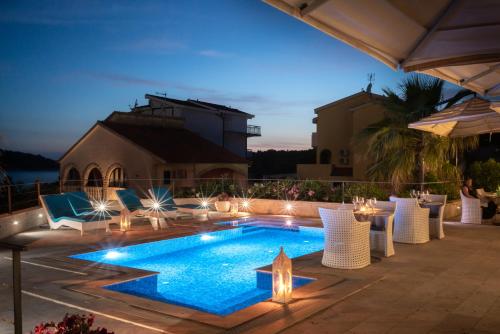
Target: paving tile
x=457, y=323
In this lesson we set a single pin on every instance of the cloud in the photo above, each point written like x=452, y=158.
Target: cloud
x=214, y=54
x=259, y=104
x=134, y=81
x=158, y=45
x=126, y=79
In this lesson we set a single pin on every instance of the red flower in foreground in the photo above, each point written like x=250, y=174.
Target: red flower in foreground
x=71, y=324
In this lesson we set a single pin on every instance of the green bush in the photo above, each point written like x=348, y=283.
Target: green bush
x=366, y=190
x=486, y=174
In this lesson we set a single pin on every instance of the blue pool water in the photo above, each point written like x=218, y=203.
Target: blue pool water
x=212, y=272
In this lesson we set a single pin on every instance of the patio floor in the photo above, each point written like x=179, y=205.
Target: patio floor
x=444, y=286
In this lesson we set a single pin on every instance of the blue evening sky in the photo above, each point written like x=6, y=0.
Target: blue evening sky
x=66, y=64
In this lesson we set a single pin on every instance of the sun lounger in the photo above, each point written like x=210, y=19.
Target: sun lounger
x=82, y=206
x=127, y=198
x=163, y=195
x=60, y=213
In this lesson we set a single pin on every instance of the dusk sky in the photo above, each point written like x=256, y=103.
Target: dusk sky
x=66, y=64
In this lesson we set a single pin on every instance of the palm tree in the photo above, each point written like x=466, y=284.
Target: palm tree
x=400, y=154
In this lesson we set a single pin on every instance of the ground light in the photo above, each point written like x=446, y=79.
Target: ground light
x=288, y=208
x=282, y=278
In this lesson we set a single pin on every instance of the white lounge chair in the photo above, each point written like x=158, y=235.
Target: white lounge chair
x=436, y=220
x=163, y=195
x=128, y=199
x=59, y=213
x=347, y=241
x=411, y=222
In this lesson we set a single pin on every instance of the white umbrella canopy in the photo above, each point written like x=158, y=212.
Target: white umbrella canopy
x=455, y=40
x=472, y=117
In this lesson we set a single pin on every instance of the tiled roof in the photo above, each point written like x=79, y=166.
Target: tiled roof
x=174, y=145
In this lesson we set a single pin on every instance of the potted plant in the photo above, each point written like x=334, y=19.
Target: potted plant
x=223, y=204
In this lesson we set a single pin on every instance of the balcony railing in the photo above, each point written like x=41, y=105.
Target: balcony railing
x=19, y=196
x=253, y=131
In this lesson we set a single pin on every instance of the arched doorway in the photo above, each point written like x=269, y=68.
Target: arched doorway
x=94, y=179
x=72, y=181
x=116, y=178
x=94, y=184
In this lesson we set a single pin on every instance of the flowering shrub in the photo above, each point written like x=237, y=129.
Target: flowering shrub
x=71, y=324
x=287, y=189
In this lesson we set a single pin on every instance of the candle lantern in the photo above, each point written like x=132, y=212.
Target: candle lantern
x=234, y=208
x=124, y=220
x=282, y=278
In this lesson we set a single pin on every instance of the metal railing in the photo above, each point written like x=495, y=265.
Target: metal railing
x=19, y=196
x=253, y=130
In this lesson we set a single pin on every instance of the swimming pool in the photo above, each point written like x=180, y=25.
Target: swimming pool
x=212, y=272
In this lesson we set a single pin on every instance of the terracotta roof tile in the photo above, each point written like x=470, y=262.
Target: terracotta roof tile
x=174, y=145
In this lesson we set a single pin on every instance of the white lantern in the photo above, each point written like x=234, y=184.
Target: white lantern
x=234, y=208
x=282, y=278
x=124, y=220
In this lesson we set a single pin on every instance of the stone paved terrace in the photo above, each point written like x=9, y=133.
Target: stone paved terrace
x=444, y=286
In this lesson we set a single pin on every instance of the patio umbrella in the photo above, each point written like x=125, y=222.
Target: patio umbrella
x=472, y=117
x=455, y=40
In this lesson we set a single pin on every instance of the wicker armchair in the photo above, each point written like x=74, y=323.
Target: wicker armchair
x=471, y=210
x=436, y=223
x=411, y=222
x=347, y=241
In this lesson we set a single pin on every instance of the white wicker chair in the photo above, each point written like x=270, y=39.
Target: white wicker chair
x=347, y=241
x=382, y=241
x=471, y=210
x=411, y=222
x=436, y=224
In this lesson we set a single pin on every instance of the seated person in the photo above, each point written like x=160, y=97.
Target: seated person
x=468, y=191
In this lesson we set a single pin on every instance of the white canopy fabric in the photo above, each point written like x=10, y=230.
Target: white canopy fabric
x=472, y=117
x=455, y=40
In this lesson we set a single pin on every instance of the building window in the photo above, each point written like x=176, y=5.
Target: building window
x=166, y=177
x=95, y=178
x=325, y=157
x=117, y=178
x=180, y=174
x=344, y=157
